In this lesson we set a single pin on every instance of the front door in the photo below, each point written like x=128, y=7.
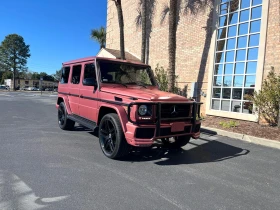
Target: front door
x=88, y=94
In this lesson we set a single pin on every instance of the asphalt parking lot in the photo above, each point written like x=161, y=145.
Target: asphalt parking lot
x=43, y=167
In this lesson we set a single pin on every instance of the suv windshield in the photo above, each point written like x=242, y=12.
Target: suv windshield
x=126, y=74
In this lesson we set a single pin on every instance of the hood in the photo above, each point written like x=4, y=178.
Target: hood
x=149, y=94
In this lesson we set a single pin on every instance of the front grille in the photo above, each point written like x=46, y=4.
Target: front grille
x=148, y=133
x=174, y=111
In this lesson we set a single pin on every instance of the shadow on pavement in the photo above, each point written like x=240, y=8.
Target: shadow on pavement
x=211, y=151
x=208, y=132
x=81, y=128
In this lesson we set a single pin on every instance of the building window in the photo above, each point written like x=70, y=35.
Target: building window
x=35, y=84
x=236, y=55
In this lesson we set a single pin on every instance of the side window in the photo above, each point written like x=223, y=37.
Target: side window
x=76, y=74
x=65, y=75
x=89, y=73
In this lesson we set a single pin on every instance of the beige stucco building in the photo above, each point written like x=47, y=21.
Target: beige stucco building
x=228, y=48
x=24, y=83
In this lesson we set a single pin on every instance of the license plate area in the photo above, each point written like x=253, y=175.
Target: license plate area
x=177, y=127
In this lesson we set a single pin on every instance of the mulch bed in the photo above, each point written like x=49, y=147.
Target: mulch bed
x=244, y=127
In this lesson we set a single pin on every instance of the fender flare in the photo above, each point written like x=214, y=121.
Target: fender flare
x=120, y=112
x=66, y=102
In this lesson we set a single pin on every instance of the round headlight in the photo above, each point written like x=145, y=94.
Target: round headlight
x=143, y=109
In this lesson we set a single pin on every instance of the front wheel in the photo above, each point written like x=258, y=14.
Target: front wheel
x=176, y=142
x=111, y=137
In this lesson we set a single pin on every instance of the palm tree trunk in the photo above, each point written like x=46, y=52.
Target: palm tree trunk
x=144, y=31
x=121, y=25
x=172, y=44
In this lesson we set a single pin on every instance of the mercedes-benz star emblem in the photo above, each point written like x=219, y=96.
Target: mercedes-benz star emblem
x=173, y=110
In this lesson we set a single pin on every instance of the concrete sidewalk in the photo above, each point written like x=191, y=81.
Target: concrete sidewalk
x=243, y=137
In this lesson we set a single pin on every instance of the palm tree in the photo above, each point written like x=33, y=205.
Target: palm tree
x=174, y=9
x=99, y=35
x=118, y=4
x=144, y=19
x=141, y=20
x=144, y=32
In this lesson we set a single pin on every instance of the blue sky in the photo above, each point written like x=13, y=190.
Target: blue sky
x=56, y=30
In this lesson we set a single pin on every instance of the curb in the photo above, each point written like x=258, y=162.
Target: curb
x=243, y=137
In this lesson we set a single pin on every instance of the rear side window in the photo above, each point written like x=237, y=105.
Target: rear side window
x=65, y=75
x=89, y=73
x=76, y=74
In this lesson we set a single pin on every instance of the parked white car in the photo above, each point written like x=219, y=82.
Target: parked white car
x=31, y=88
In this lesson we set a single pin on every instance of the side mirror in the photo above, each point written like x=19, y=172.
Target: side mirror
x=90, y=82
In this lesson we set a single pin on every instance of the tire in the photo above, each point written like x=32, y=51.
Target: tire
x=178, y=142
x=63, y=122
x=111, y=137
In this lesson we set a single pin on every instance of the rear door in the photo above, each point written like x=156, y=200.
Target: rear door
x=88, y=94
x=74, y=88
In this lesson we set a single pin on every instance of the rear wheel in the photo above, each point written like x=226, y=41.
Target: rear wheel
x=63, y=122
x=111, y=137
x=176, y=142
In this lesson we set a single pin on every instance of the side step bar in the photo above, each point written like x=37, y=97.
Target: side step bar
x=83, y=121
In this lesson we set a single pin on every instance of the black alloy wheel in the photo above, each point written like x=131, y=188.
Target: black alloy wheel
x=61, y=115
x=63, y=122
x=111, y=137
x=107, y=136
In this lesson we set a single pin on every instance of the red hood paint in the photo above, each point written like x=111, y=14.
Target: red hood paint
x=149, y=93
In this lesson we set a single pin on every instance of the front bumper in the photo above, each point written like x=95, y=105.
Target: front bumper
x=145, y=133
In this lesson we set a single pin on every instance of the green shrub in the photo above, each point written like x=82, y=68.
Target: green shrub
x=161, y=77
x=202, y=117
x=267, y=100
x=229, y=124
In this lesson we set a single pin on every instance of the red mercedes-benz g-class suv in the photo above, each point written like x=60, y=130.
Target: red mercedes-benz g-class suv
x=122, y=99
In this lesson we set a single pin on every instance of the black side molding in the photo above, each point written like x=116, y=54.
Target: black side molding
x=118, y=101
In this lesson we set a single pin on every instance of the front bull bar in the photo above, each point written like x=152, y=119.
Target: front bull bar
x=195, y=115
